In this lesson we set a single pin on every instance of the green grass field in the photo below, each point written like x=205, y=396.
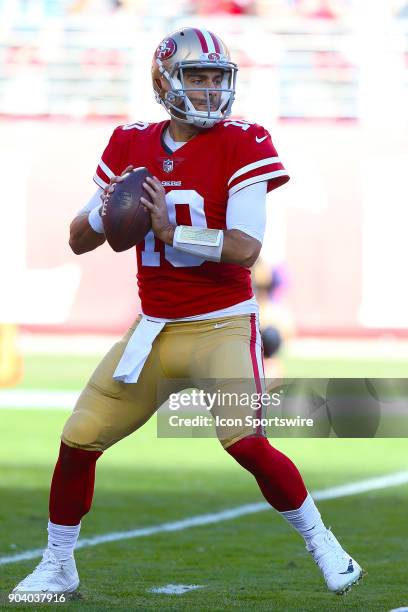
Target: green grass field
x=254, y=562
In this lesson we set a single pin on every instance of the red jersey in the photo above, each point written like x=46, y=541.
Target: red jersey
x=198, y=178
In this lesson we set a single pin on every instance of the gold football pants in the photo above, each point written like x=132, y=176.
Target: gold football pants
x=227, y=348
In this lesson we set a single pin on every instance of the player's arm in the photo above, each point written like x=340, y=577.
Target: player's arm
x=246, y=220
x=240, y=243
x=239, y=248
x=86, y=230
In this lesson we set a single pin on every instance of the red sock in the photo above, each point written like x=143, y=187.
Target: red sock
x=277, y=477
x=72, y=485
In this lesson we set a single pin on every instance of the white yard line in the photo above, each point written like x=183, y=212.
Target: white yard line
x=32, y=399
x=175, y=589
x=96, y=345
x=67, y=344
x=353, y=488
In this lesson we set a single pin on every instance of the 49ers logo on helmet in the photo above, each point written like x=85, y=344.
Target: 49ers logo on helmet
x=166, y=49
x=214, y=57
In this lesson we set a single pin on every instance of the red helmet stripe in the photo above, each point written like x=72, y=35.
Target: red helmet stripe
x=202, y=40
x=215, y=41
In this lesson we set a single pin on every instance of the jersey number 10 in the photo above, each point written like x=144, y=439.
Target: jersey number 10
x=174, y=198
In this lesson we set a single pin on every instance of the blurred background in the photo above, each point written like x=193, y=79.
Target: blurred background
x=328, y=78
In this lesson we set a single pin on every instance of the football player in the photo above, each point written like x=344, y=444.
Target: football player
x=199, y=318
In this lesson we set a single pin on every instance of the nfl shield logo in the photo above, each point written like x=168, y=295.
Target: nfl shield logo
x=168, y=165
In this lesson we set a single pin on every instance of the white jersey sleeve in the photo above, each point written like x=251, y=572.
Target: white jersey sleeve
x=246, y=210
x=93, y=202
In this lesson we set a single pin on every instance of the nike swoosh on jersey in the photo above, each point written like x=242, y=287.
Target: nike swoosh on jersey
x=217, y=325
x=260, y=139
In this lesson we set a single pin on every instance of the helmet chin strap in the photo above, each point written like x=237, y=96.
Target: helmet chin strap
x=202, y=122
x=190, y=115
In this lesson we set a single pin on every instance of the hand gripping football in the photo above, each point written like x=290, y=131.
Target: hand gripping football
x=125, y=220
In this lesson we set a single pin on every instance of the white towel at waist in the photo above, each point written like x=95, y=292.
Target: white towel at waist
x=137, y=350
x=140, y=342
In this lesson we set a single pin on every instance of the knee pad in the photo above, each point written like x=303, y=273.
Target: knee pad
x=83, y=430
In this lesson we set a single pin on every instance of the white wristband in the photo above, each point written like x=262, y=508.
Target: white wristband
x=200, y=241
x=95, y=220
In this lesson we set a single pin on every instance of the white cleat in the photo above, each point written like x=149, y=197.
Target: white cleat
x=51, y=576
x=340, y=571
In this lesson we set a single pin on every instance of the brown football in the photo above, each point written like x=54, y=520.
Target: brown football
x=124, y=218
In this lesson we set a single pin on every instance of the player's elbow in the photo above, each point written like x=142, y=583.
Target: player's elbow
x=82, y=237
x=75, y=246
x=84, y=244
x=250, y=261
x=250, y=253
x=75, y=234
x=242, y=248
x=75, y=242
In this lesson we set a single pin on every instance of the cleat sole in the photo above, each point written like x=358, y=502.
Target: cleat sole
x=355, y=582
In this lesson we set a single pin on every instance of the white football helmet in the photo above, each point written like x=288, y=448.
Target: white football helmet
x=191, y=48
